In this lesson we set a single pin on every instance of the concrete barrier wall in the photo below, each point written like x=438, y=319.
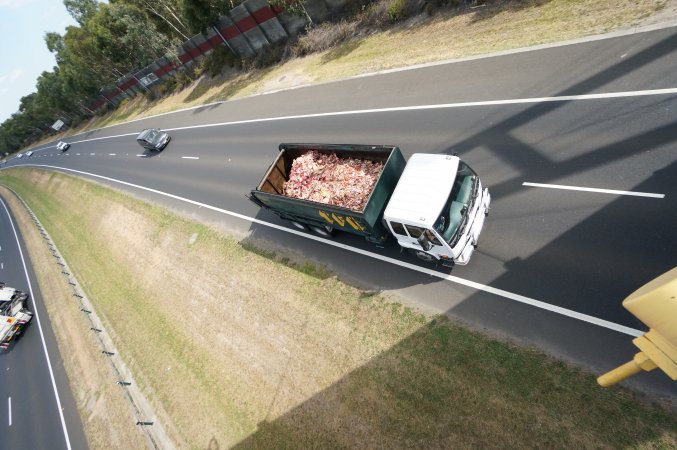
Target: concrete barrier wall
x=265, y=18
x=236, y=41
x=248, y=27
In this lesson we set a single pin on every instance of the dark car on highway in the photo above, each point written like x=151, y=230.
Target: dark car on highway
x=153, y=139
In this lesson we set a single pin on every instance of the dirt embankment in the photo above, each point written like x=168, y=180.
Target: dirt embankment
x=235, y=349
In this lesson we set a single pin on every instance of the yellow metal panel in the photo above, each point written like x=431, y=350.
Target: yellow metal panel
x=326, y=217
x=655, y=304
x=653, y=345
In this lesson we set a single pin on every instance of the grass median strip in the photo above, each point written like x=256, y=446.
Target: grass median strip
x=240, y=347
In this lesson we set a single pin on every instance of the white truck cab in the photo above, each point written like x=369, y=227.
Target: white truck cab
x=14, y=314
x=438, y=208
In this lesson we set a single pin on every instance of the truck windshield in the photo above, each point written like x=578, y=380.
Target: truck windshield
x=455, y=211
x=5, y=308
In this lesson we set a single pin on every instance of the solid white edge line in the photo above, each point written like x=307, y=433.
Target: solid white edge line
x=9, y=403
x=42, y=335
x=587, y=189
x=518, y=101
x=472, y=284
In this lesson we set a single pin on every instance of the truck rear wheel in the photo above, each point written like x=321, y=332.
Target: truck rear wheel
x=299, y=225
x=324, y=231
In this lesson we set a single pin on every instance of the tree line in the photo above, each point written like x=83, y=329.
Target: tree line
x=109, y=40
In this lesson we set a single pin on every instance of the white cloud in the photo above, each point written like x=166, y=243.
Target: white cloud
x=14, y=75
x=12, y=4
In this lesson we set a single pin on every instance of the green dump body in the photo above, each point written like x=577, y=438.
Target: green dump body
x=367, y=223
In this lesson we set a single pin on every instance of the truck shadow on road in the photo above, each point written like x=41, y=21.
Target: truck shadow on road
x=349, y=266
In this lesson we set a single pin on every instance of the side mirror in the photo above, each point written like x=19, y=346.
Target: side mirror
x=424, y=242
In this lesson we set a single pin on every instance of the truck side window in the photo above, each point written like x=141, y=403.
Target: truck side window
x=414, y=232
x=398, y=228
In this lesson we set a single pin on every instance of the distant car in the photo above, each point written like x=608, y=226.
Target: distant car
x=19, y=155
x=153, y=139
x=29, y=153
x=63, y=146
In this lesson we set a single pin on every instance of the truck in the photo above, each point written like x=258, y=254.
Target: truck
x=14, y=314
x=434, y=205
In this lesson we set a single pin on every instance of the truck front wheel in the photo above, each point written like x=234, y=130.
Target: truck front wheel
x=423, y=256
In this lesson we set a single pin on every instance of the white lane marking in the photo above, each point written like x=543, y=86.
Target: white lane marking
x=112, y=154
x=2, y=266
x=564, y=98
x=42, y=334
x=141, y=156
x=587, y=189
x=77, y=154
x=190, y=157
x=9, y=405
x=105, y=137
x=92, y=154
x=472, y=284
x=517, y=101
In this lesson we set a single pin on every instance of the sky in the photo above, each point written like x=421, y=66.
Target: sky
x=23, y=53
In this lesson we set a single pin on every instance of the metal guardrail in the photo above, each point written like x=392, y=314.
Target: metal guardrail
x=146, y=419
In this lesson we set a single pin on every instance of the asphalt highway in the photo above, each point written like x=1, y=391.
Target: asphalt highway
x=553, y=264
x=37, y=409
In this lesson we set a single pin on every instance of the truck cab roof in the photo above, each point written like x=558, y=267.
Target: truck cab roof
x=423, y=189
x=6, y=293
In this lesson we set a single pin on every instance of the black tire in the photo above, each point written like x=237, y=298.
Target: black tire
x=299, y=225
x=325, y=231
x=423, y=256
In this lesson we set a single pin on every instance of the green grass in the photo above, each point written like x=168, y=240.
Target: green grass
x=390, y=376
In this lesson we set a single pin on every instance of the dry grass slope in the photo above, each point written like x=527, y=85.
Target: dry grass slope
x=235, y=349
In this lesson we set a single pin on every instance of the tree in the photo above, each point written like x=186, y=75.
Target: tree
x=81, y=10
x=165, y=14
x=200, y=14
x=125, y=38
x=54, y=42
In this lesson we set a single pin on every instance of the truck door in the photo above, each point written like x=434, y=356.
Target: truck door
x=408, y=237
